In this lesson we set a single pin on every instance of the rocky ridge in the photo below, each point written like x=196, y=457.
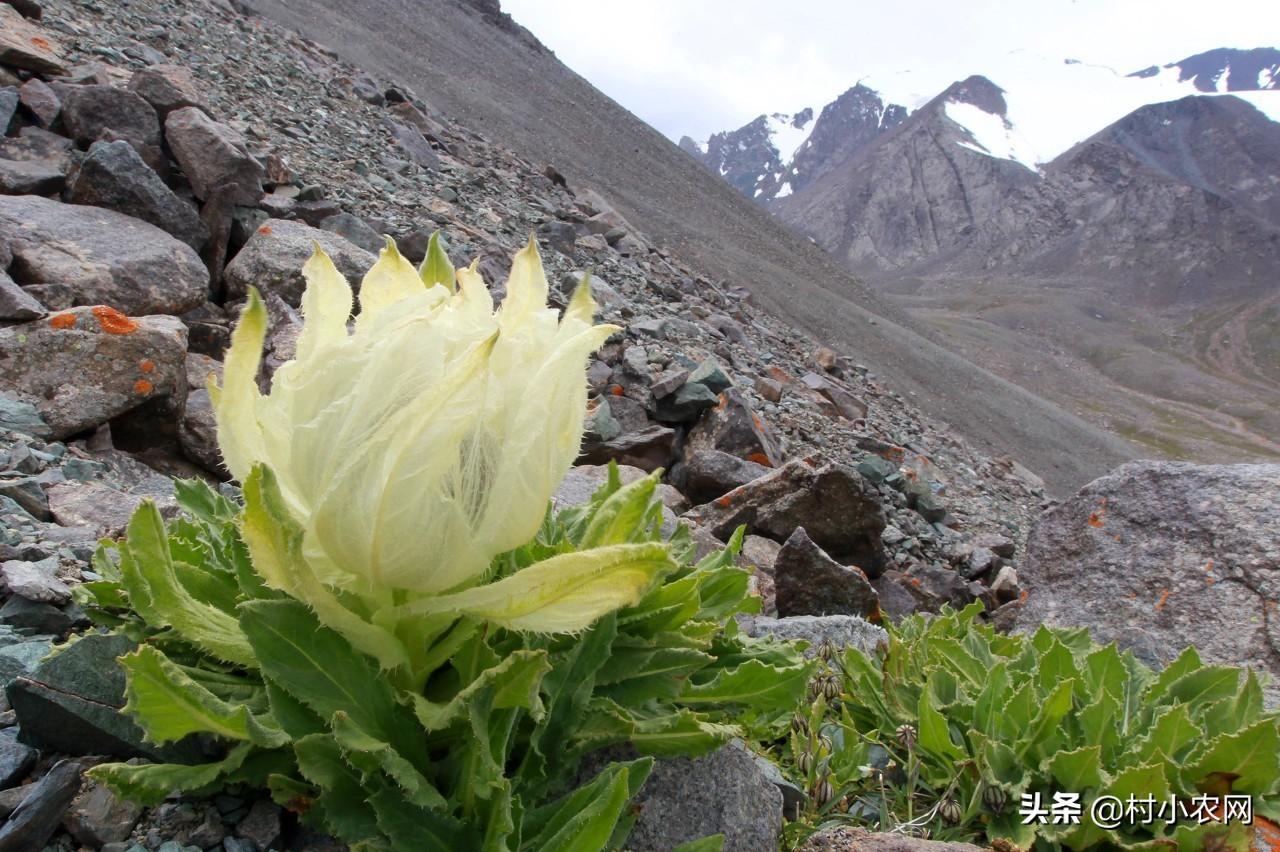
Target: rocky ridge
x=188, y=151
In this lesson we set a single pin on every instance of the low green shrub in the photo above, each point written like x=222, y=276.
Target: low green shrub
x=945, y=730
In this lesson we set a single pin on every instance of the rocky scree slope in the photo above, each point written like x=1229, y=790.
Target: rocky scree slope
x=470, y=62
x=159, y=158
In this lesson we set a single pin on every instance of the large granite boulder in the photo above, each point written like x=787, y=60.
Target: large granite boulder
x=72, y=254
x=1161, y=555
x=272, y=259
x=83, y=367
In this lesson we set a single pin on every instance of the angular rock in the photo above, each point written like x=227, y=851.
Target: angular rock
x=844, y=631
x=846, y=404
x=711, y=376
x=91, y=256
x=43, y=102
x=769, y=389
x=839, y=510
x=98, y=816
x=261, y=824
x=115, y=177
x=707, y=474
x=167, y=88
x=33, y=822
x=354, y=229
x=648, y=449
x=24, y=44
x=89, y=112
x=71, y=704
x=670, y=382
x=760, y=552
x=1161, y=555
x=16, y=303
x=809, y=582
x=33, y=618
x=733, y=427
x=82, y=367
x=272, y=259
x=724, y=792
x=414, y=145
x=32, y=166
x=561, y=236
x=16, y=759
x=93, y=504
x=213, y=156
x=198, y=432
x=21, y=417
x=9, y=100
x=685, y=405
x=600, y=424
x=35, y=581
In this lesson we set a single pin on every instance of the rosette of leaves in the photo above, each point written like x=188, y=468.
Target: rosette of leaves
x=391, y=634
x=484, y=755
x=972, y=719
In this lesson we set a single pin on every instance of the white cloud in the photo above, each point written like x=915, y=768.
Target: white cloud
x=699, y=66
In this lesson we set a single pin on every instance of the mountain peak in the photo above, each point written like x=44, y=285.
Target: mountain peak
x=977, y=91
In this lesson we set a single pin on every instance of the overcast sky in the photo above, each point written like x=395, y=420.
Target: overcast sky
x=701, y=66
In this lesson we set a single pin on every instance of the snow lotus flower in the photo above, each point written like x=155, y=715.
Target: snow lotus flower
x=411, y=448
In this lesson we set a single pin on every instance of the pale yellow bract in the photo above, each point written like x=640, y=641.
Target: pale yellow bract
x=414, y=447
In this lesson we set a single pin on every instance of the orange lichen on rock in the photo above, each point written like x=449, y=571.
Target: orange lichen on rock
x=42, y=44
x=142, y=387
x=265, y=230
x=146, y=365
x=63, y=321
x=617, y=390
x=1164, y=599
x=113, y=322
x=760, y=458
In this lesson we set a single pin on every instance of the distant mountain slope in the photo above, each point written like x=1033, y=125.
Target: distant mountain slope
x=466, y=60
x=1225, y=69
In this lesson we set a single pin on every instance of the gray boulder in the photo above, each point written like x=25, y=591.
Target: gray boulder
x=71, y=704
x=213, y=156
x=837, y=507
x=83, y=367
x=73, y=254
x=707, y=474
x=272, y=259
x=1161, y=555
x=115, y=177
x=34, y=163
x=809, y=582
x=166, y=88
x=724, y=792
x=25, y=44
x=92, y=112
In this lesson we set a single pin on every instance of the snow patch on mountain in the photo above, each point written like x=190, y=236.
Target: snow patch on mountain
x=991, y=134
x=789, y=132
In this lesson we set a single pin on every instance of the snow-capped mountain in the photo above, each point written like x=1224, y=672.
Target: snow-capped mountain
x=1049, y=106
x=755, y=158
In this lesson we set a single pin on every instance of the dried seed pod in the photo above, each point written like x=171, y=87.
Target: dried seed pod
x=823, y=792
x=799, y=724
x=826, y=650
x=994, y=798
x=950, y=811
x=804, y=762
x=831, y=687
x=907, y=736
x=815, y=688
x=825, y=744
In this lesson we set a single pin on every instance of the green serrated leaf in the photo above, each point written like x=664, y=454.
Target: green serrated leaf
x=169, y=705
x=1247, y=761
x=755, y=683
x=584, y=820
x=515, y=682
x=371, y=755
x=148, y=573
x=321, y=670
x=342, y=805
x=150, y=783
